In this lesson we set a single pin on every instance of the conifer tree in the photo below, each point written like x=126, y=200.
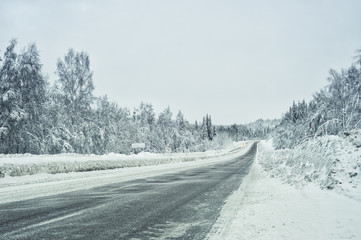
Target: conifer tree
x=11, y=105
x=204, y=129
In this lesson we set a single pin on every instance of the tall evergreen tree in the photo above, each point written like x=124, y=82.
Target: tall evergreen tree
x=204, y=130
x=11, y=103
x=209, y=127
x=181, y=122
x=33, y=93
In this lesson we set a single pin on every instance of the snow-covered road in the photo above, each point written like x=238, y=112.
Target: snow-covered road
x=44, y=184
x=180, y=200
x=269, y=204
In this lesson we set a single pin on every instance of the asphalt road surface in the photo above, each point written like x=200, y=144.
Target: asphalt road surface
x=182, y=205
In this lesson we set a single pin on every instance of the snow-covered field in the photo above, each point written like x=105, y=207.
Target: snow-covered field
x=311, y=192
x=43, y=183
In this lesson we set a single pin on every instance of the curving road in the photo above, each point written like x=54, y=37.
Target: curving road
x=182, y=205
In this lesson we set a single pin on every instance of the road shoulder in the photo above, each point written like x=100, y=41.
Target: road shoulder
x=266, y=208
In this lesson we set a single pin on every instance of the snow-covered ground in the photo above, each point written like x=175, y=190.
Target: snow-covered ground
x=303, y=193
x=311, y=192
x=43, y=183
x=28, y=164
x=330, y=162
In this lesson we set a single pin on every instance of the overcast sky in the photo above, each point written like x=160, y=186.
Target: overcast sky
x=236, y=60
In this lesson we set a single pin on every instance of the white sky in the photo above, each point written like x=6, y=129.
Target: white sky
x=236, y=60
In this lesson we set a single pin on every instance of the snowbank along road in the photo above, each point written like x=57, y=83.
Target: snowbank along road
x=182, y=205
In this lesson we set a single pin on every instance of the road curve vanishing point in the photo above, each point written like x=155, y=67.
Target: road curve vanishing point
x=182, y=205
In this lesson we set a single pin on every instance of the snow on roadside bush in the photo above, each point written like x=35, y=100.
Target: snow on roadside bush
x=28, y=164
x=332, y=162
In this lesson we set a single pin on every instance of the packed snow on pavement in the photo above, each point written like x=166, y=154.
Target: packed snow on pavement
x=310, y=192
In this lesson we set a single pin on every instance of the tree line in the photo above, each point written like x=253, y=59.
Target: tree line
x=42, y=118
x=335, y=109
x=259, y=129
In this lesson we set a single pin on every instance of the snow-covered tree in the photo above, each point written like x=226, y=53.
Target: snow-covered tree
x=204, y=130
x=209, y=127
x=146, y=115
x=33, y=93
x=11, y=103
x=76, y=85
x=181, y=122
x=165, y=124
x=38, y=118
x=334, y=109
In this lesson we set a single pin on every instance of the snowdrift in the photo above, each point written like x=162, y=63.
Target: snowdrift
x=28, y=164
x=331, y=162
x=266, y=208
